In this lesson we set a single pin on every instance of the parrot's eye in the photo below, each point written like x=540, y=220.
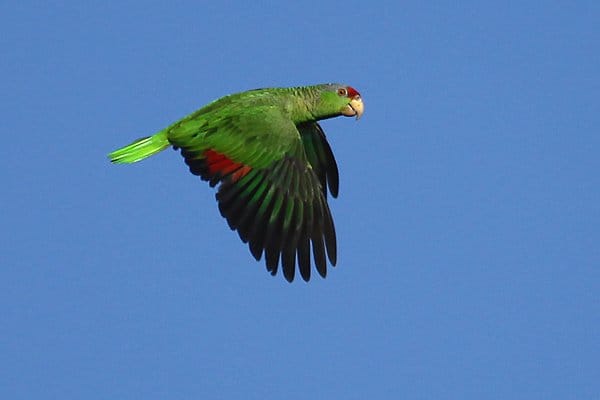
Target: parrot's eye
x=342, y=92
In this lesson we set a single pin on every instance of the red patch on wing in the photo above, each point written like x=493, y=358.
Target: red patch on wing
x=218, y=163
x=352, y=92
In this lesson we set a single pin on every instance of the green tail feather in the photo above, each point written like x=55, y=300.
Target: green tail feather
x=140, y=149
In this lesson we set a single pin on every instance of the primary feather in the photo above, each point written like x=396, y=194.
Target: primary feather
x=273, y=163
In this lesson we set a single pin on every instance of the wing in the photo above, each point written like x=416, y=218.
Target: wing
x=320, y=156
x=269, y=191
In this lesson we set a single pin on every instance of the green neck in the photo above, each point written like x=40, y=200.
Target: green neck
x=308, y=104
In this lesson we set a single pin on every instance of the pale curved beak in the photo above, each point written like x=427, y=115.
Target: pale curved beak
x=354, y=108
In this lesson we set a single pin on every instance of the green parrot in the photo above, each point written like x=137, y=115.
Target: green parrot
x=273, y=163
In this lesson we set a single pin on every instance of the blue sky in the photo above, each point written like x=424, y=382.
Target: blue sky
x=468, y=218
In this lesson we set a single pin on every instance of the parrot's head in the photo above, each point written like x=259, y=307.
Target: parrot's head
x=337, y=99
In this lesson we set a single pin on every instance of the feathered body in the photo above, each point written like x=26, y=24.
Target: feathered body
x=274, y=166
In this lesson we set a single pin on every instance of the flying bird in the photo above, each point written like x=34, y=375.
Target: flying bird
x=273, y=164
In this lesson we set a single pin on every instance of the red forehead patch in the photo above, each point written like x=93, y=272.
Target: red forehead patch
x=352, y=92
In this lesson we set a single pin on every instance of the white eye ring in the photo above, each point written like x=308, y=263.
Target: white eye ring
x=342, y=92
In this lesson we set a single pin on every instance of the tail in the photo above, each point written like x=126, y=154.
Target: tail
x=140, y=149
